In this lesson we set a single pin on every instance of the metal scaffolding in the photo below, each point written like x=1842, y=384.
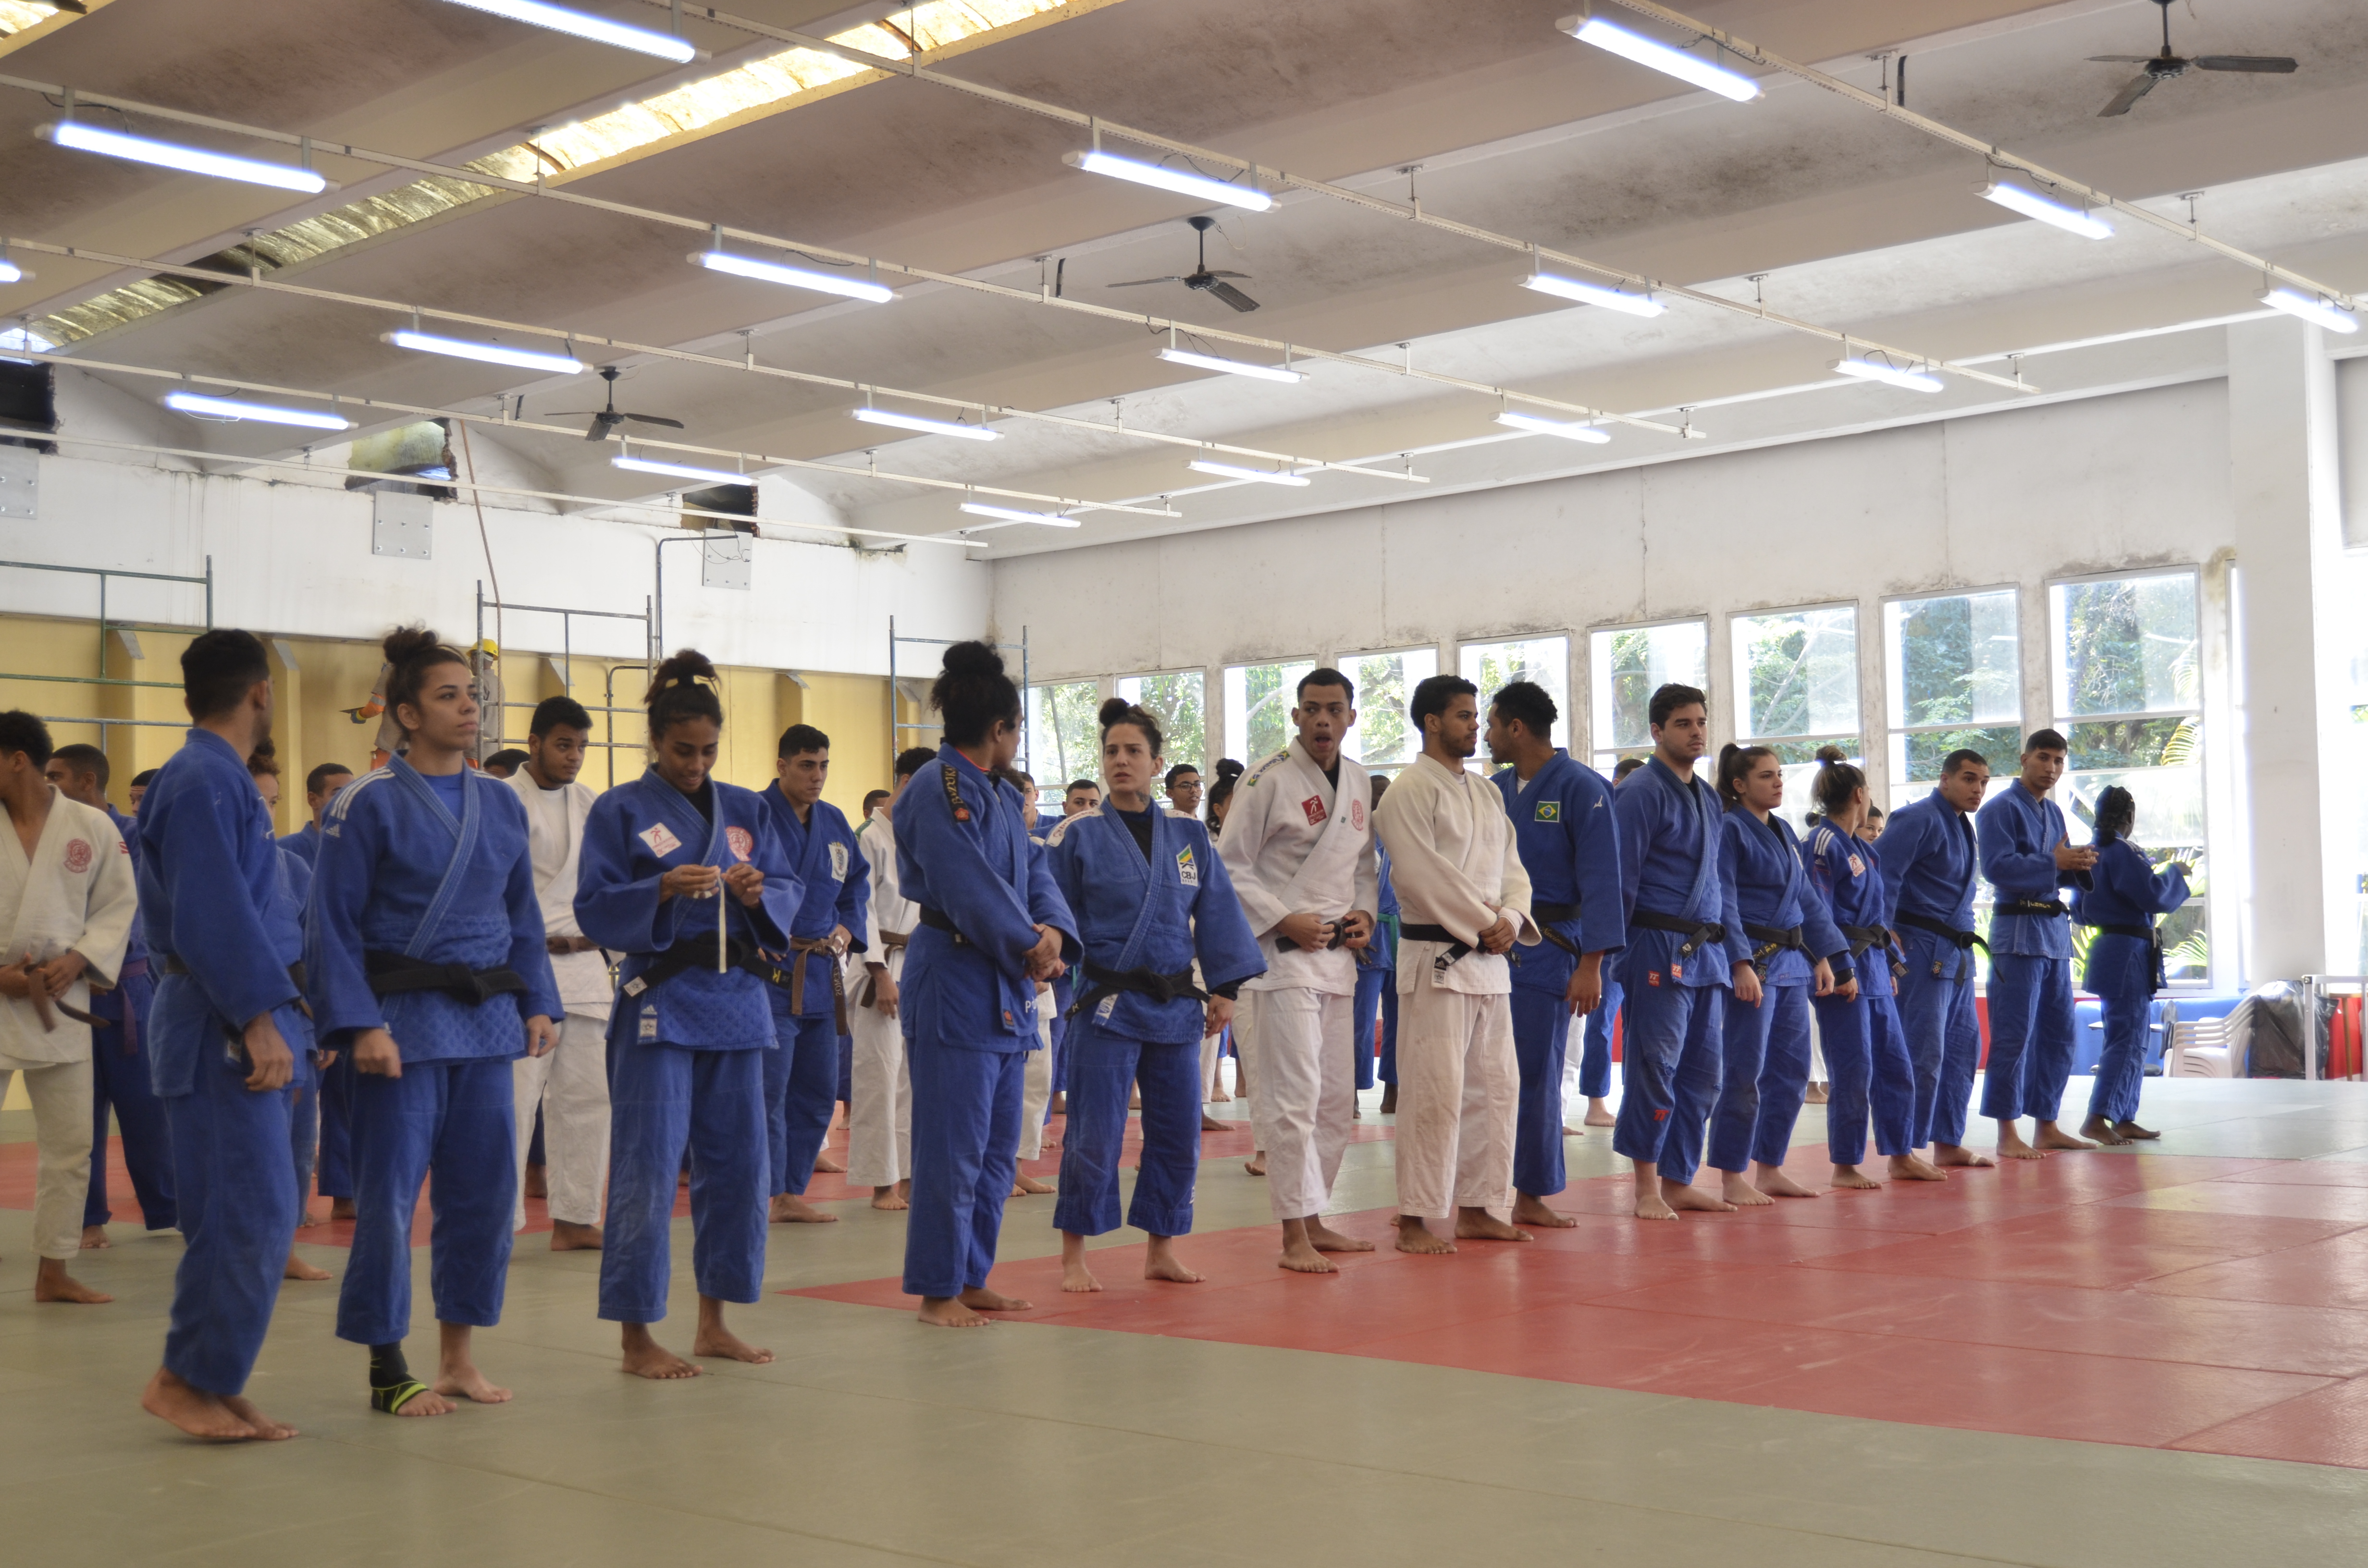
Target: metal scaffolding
x=607, y=703
x=108, y=628
x=898, y=727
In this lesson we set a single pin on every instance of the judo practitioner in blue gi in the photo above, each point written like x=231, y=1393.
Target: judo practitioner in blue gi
x=1686, y=949
x=333, y=1099
x=1595, y=1051
x=2125, y=967
x=1150, y=897
x=425, y=958
x=1929, y=867
x=1561, y=812
x=801, y=1077
x=992, y=925
x=682, y=873
x=2028, y=855
x=312, y=1064
x=224, y=1008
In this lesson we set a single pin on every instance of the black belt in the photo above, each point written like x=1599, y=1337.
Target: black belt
x=1339, y=934
x=1966, y=941
x=1416, y=931
x=1697, y=933
x=937, y=920
x=698, y=952
x=1101, y=982
x=1771, y=940
x=2143, y=933
x=1545, y=916
x=395, y=974
x=2048, y=908
x=1864, y=939
x=2158, y=971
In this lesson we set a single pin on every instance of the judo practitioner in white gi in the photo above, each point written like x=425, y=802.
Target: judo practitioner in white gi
x=879, y=1102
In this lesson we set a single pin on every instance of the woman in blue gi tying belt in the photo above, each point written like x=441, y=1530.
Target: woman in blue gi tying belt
x=2125, y=965
x=425, y=958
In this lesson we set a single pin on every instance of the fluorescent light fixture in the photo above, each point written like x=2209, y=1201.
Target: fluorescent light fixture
x=1050, y=520
x=206, y=407
x=1231, y=367
x=1262, y=475
x=1594, y=294
x=599, y=29
x=1876, y=371
x=488, y=353
x=85, y=137
x=795, y=276
x=680, y=471
x=1181, y=181
x=12, y=273
x=2031, y=204
x=2317, y=311
x=1567, y=430
x=927, y=426
x=1671, y=61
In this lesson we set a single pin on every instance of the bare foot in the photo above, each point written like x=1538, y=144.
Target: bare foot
x=2133, y=1132
x=2052, y=1136
x=1160, y=1262
x=1651, y=1205
x=169, y=1397
x=1027, y=1186
x=1219, y=1094
x=305, y=1217
x=1300, y=1255
x=1854, y=1179
x=2099, y=1129
x=946, y=1312
x=645, y=1358
x=265, y=1428
x=1478, y=1225
x=298, y=1270
x=427, y=1403
x=788, y=1209
x=1324, y=1238
x=340, y=1209
x=889, y=1198
x=462, y=1381
x=53, y=1283
x=1211, y=1124
x=538, y=1182
x=1415, y=1236
x=1736, y=1190
x=1772, y=1180
x=1815, y=1095
x=567, y=1235
x=1531, y=1210
x=1948, y=1154
x=1573, y=1132
x=94, y=1238
x=1077, y=1279
x=828, y=1164
x=717, y=1341
x=1389, y=1099
x=1256, y=1164
x=985, y=1298
x=1599, y=1114
x=1907, y=1167
x=2010, y=1145
x=1683, y=1197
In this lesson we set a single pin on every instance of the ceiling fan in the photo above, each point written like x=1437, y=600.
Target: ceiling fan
x=2161, y=68
x=1201, y=277
x=605, y=420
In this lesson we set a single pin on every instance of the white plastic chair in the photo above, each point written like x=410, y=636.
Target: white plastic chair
x=2208, y=1048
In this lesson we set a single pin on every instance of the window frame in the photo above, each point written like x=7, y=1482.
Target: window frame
x=1238, y=746
x=1569, y=641
x=1346, y=663
x=1604, y=757
x=1894, y=676
x=1740, y=708
x=1203, y=765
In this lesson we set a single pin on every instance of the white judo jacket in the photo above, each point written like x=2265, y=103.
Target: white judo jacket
x=1454, y=863
x=1294, y=844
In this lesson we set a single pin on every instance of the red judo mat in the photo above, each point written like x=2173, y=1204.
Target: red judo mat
x=2218, y=1305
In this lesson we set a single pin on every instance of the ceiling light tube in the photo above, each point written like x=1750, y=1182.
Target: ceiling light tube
x=85, y=137
x=1876, y=371
x=1594, y=294
x=795, y=276
x=204, y=407
x=1260, y=475
x=598, y=29
x=1180, y=181
x=12, y=273
x=1231, y=367
x=927, y=426
x=1050, y=520
x=2031, y=204
x=2318, y=312
x=680, y=471
x=1568, y=431
x=486, y=353
x=1685, y=67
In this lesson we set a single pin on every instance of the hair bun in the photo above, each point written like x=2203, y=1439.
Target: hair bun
x=406, y=643
x=688, y=666
x=1115, y=711
x=972, y=658
x=1830, y=754
x=1228, y=769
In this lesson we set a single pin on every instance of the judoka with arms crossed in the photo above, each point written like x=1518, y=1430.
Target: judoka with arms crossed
x=880, y=1097
x=218, y=1041
x=1299, y=847
x=425, y=958
x=1150, y=898
x=682, y=874
x=1463, y=902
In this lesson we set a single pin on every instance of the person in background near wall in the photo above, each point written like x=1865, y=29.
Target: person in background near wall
x=119, y=1053
x=1929, y=867
x=320, y=787
x=1214, y=1049
x=1082, y=795
x=2028, y=855
x=1589, y=1077
x=1183, y=788
x=1377, y=983
x=138, y=786
x=879, y=1087
x=506, y=764
x=264, y=768
x=2126, y=966
x=1561, y=812
x=1872, y=829
x=872, y=801
x=67, y=903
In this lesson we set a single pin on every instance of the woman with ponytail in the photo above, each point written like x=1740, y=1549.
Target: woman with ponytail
x=1150, y=897
x=683, y=875
x=425, y=958
x=992, y=925
x=1866, y=1049
x=2124, y=961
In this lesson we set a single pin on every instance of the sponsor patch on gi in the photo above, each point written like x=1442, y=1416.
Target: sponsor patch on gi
x=1356, y=814
x=649, y=1023
x=77, y=856
x=1109, y=1005
x=1185, y=868
x=839, y=862
x=743, y=842
x=660, y=839
x=1548, y=810
x=1314, y=807
x=1858, y=867
x=1653, y=977
x=1677, y=970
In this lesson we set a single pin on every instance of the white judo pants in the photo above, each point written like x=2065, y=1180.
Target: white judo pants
x=1459, y=1095
x=879, y=1102
x=1295, y=1044
x=1036, y=1083
x=571, y=1083
x=61, y=1096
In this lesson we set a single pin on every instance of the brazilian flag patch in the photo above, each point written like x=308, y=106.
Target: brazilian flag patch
x=1549, y=810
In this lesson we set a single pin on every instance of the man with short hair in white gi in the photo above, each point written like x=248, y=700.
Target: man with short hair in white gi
x=880, y=1088
x=1298, y=845
x=1463, y=901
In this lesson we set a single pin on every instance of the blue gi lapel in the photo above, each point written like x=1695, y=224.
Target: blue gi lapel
x=681, y=818
x=1706, y=819
x=465, y=833
x=1129, y=956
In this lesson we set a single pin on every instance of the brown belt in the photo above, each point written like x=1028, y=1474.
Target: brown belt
x=561, y=946
x=895, y=939
x=890, y=942
x=805, y=947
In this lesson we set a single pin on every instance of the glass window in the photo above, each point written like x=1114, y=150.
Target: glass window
x=1258, y=700
x=1544, y=660
x=2129, y=700
x=1797, y=676
x=1175, y=700
x=1954, y=671
x=1063, y=738
x=1630, y=664
x=1383, y=740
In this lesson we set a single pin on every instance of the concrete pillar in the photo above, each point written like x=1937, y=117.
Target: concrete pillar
x=2285, y=491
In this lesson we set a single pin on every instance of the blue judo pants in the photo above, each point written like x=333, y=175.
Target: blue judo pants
x=1944, y=1040
x=120, y=1080
x=2031, y=1034
x=1541, y=1039
x=1594, y=1054
x=1670, y=1055
x=965, y=1154
x=1373, y=981
x=335, y=1169
x=452, y=1120
x=236, y=1193
x=664, y=1100
x=1765, y=1075
x=1103, y=1068
x=2121, y=1066
x=1868, y=1066
x=801, y=1091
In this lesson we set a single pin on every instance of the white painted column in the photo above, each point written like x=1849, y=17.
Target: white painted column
x=2285, y=493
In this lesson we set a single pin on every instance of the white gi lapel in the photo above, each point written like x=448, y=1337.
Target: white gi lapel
x=1338, y=845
